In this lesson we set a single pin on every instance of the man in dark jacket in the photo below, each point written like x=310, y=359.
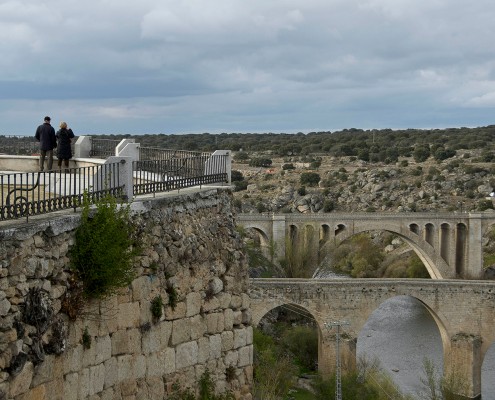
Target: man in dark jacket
x=45, y=134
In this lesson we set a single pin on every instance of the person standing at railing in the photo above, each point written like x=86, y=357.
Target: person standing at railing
x=64, y=151
x=45, y=134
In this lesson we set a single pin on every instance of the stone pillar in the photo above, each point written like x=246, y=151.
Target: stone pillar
x=278, y=235
x=82, y=147
x=102, y=180
x=130, y=149
x=462, y=369
x=474, y=260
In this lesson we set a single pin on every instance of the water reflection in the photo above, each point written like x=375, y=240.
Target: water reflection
x=401, y=333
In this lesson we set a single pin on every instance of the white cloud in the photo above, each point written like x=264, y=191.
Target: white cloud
x=181, y=63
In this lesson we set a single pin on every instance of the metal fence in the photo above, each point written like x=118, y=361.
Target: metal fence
x=151, y=176
x=18, y=145
x=33, y=193
x=157, y=153
x=103, y=148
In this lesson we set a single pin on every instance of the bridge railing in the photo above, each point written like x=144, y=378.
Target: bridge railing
x=151, y=176
x=28, y=194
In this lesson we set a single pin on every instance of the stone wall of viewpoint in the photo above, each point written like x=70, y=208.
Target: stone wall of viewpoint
x=115, y=349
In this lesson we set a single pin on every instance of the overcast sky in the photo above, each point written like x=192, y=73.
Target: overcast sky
x=193, y=66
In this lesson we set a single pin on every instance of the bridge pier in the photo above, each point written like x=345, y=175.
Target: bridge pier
x=462, y=366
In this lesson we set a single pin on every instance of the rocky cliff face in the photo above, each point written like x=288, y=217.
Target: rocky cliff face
x=346, y=184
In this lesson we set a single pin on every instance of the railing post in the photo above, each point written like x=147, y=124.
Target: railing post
x=124, y=173
x=210, y=164
x=82, y=147
x=120, y=147
x=129, y=150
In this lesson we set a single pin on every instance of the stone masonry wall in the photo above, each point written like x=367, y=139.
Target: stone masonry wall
x=191, y=246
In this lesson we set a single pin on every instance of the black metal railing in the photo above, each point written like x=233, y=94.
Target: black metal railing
x=152, y=176
x=103, y=148
x=157, y=153
x=33, y=193
x=18, y=145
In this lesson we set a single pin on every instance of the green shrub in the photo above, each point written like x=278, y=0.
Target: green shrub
x=157, y=307
x=104, y=249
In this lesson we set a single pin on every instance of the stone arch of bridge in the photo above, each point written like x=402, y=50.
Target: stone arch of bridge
x=262, y=309
x=439, y=321
x=436, y=267
x=262, y=235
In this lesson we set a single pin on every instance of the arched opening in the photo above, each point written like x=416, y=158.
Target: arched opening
x=293, y=233
x=324, y=234
x=339, y=229
x=460, y=249
x=429, y=233
x=445, y=241
x=401, y=334
x=488, y=374
x=414, y=228
x=286, y=342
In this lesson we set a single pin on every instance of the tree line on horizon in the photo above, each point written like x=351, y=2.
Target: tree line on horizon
x=384, y=145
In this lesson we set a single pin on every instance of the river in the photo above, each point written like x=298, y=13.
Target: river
x=401, y=334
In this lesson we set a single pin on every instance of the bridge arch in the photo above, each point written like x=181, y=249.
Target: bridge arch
x=436, y=268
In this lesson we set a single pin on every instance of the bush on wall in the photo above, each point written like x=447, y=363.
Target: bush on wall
x=104, y=249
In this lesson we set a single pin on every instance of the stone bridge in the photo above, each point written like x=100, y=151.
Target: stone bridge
x=463, y=311
x=449, y=244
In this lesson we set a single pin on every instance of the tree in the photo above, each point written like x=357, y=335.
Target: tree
x=310, y=178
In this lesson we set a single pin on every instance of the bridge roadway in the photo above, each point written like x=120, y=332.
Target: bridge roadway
x=449, y=244
x=464, y=312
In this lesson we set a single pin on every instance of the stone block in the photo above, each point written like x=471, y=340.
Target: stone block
x=245, y=356
x=139, y=366
x=237, y=318
x=224, y=300
x=246, y=317
x=125, y=367
x=111, y=372
x=37, y=393
x=186, y=355
x=215, y=346
x=126, y=342
x=170, y=360
x=21, y=383
x=71, y=383
x=197, y=327
x=227, y=340
x=228, y=319
x=96, y=379
x=72, y=358
x=249, y=335
x=211, y=305
x=103, y=348
x=129, y=315
x=179, y=312
x=55, y=389
x=155, y=364
x=211, y=321
x=203, y=350
x=236, y=302
x=193, y=304
x=240, y=338
x=231, y=358
x=246, y=301
x=181, y=331
x=141, y=288
x=156, y=389
x=84, y=384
